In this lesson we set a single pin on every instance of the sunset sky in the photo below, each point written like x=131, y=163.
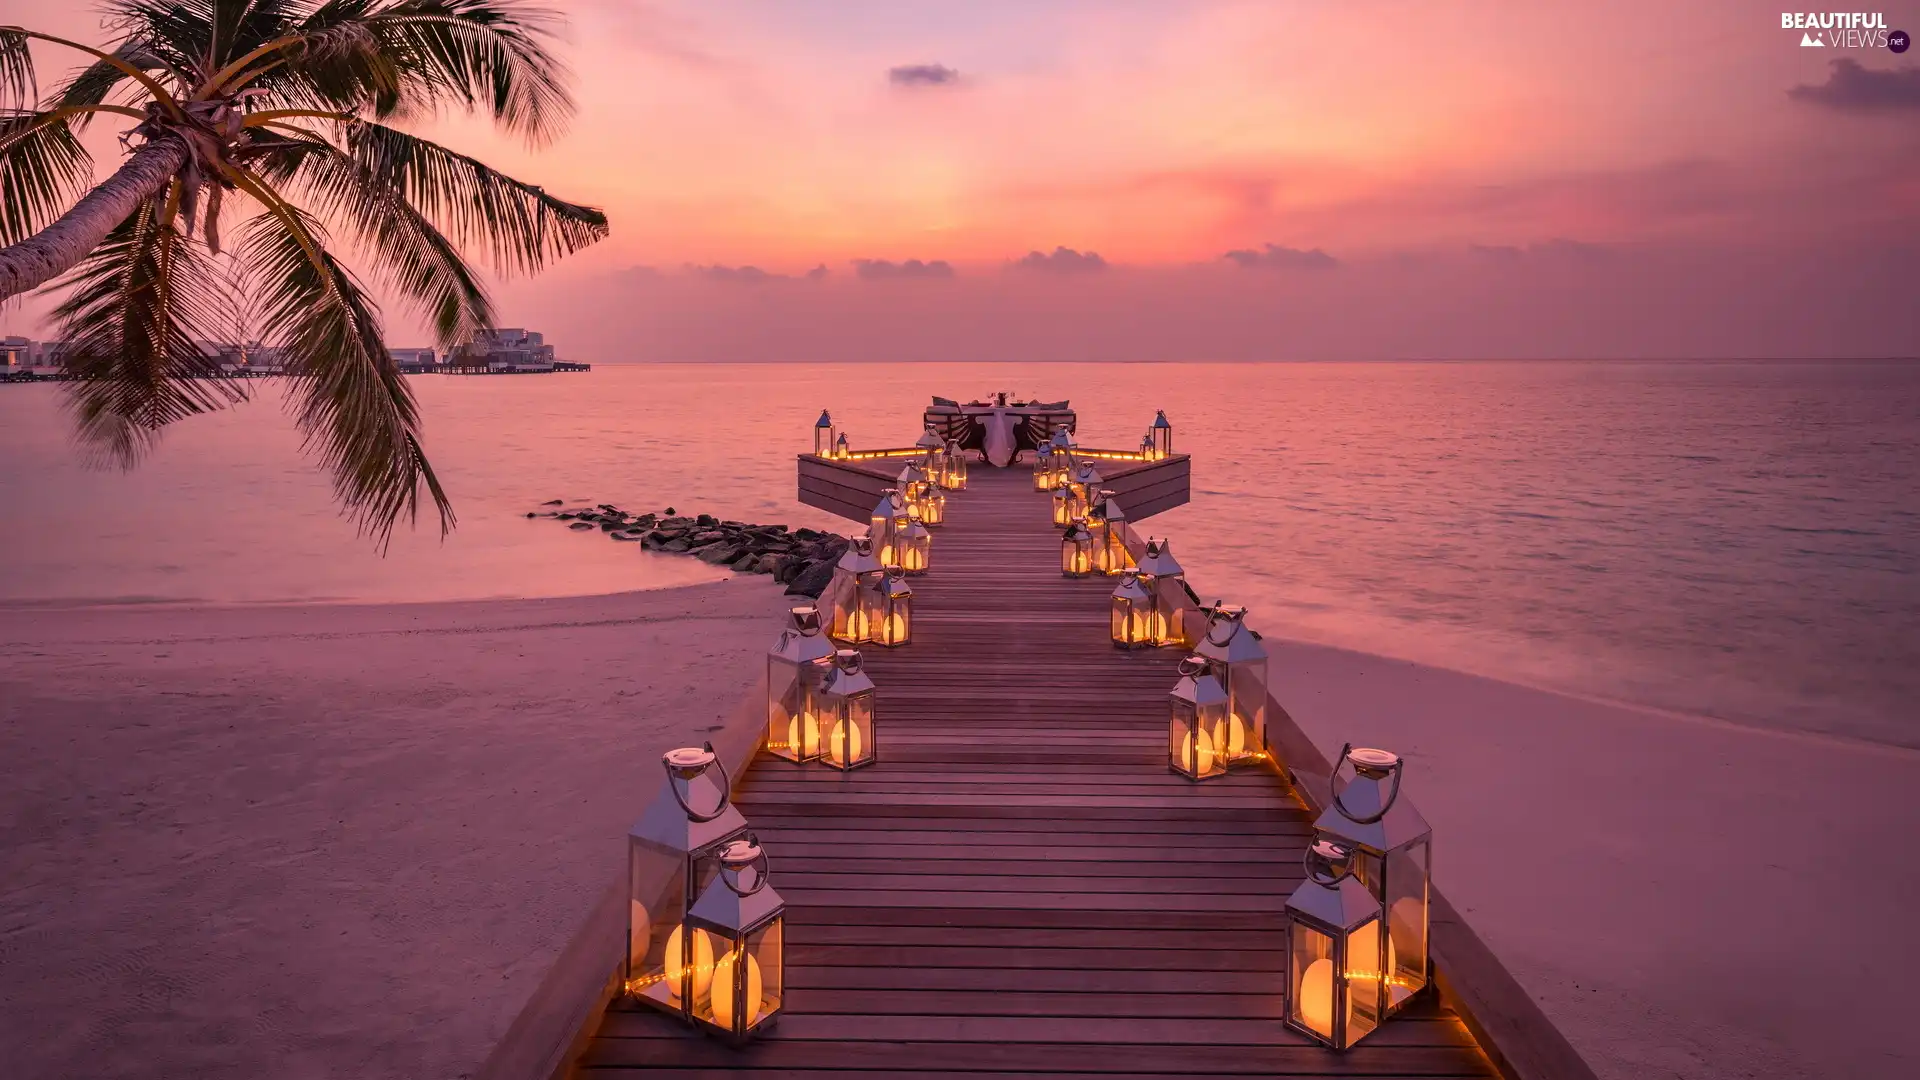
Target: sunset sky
x=1227, y=180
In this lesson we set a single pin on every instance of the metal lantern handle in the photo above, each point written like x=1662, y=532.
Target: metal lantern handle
x=763, y=871
x=726, y=790
x=1214, y=619
x=1392, y=796
x=1315, y=866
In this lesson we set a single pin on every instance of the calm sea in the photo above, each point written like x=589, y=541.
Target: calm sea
x=1730, y=539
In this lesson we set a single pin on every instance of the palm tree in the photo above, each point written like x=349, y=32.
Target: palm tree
x=282, y=107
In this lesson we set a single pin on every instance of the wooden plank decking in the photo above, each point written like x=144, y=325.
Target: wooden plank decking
x=1020, y=886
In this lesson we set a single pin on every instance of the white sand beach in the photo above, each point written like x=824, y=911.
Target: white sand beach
x=326, y=842
x=346, y=842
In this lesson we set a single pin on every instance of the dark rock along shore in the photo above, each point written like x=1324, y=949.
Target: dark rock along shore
x=800, y=559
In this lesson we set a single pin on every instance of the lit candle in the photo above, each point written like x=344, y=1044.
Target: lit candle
x=845, y=744
x=702, y=963
x=723, y=989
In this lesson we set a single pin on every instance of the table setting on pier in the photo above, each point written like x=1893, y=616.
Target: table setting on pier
x=999, y=429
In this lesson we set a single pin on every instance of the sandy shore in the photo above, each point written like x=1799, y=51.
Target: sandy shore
x=325, y=842
x=343, y=842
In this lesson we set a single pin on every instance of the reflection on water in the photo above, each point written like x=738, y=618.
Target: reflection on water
x=1734, y=539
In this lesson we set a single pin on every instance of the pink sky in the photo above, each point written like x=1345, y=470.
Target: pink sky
x=1401, y=179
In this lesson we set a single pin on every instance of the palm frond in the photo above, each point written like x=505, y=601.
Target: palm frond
x=137, y=309
x=18, y=88
x=482, y=54
x=353, y=405
x=92, y=84
x=43, y=170
x=410, y=256
x=519, y=225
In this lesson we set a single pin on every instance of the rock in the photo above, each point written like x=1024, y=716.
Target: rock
x=532, y=514
x=766, y=564
x=707, y=520
x=609, y=526
x=805, y=534
x=708, y=537
x=746, y=564
x=553, y=502
x=812, y=581
x=675, y=545
x=669, y=511
x=566, y=517
x=578, y=525
x=626, y=536
x=719, y=553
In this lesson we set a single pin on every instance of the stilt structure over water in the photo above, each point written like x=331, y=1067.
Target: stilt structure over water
x=1020, y=885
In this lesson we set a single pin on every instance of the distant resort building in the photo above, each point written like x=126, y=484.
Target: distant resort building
x=504, y=351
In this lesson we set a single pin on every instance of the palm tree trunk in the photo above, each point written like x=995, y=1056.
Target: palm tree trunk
x=57, y=248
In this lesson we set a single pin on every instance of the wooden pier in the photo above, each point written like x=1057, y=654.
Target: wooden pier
x=1020, y=886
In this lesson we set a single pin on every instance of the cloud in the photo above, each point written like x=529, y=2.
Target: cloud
x=883, y=269
x=1556, y=248
x=744, y=275
x=917, y=75
x=818, y=273
x=1282, y=258
x=1854, y=88
x=1064, y=260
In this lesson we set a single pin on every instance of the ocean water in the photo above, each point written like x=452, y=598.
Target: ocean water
x=1735, y=540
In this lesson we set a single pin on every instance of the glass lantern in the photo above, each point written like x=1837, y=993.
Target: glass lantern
x=672, y=854
x=1166, y=582
x=796, y=665
x=1162, y=433
x=1062, y=441
x=1393, y=856
x=956, y=466
x=841, y=450
x=1146, y=446
x=1076, y=551
x=855, y=593
x=1197, y=718
x=823, y=435
x=914, y=548
x=1334, y=988
x=1062, y=505
x=742, y=923
x=894, y=627
x=913, y=485
x=885, y=524
x=1043, y=468
x=1086, y=485
x=1132, y=613
x=935, y=461
x=933, y=507
x=1240, y=663
x=1110, y=554
x=846, y=713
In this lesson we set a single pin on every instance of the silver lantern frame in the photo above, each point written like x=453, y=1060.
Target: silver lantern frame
x=848, y=703
x=1130, y=613
x=1392, y=845
x=1240, y=661
x=1196, y=712
x=741, y=910
x=673, y=852
x=796, y=665
x=1332, y=920
x=823, y=435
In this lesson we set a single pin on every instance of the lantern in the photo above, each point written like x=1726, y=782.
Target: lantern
x=933, y=507
x=1393, y=857
x=1162, y=433
x=1334, y=987
x=956, y=466
x=1062, y=439
x=1132, y=613
x=1086, y=484
x=1063, y=506
x=741, y=920
x=842, y=451
x=1166, y=582
x=936, y=456
x=672, y=854
x=846, y=713
x=1076, y=551
x=895, y=624
x=1108, y=522
x=914, y=549
x=855, y=594
x=1198, y=717
x=1043, y=468
x=914, y=486
x=1240, y=662
x=888, y=521
x=1146, y=445
x=823, y=435
x=796, y=665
